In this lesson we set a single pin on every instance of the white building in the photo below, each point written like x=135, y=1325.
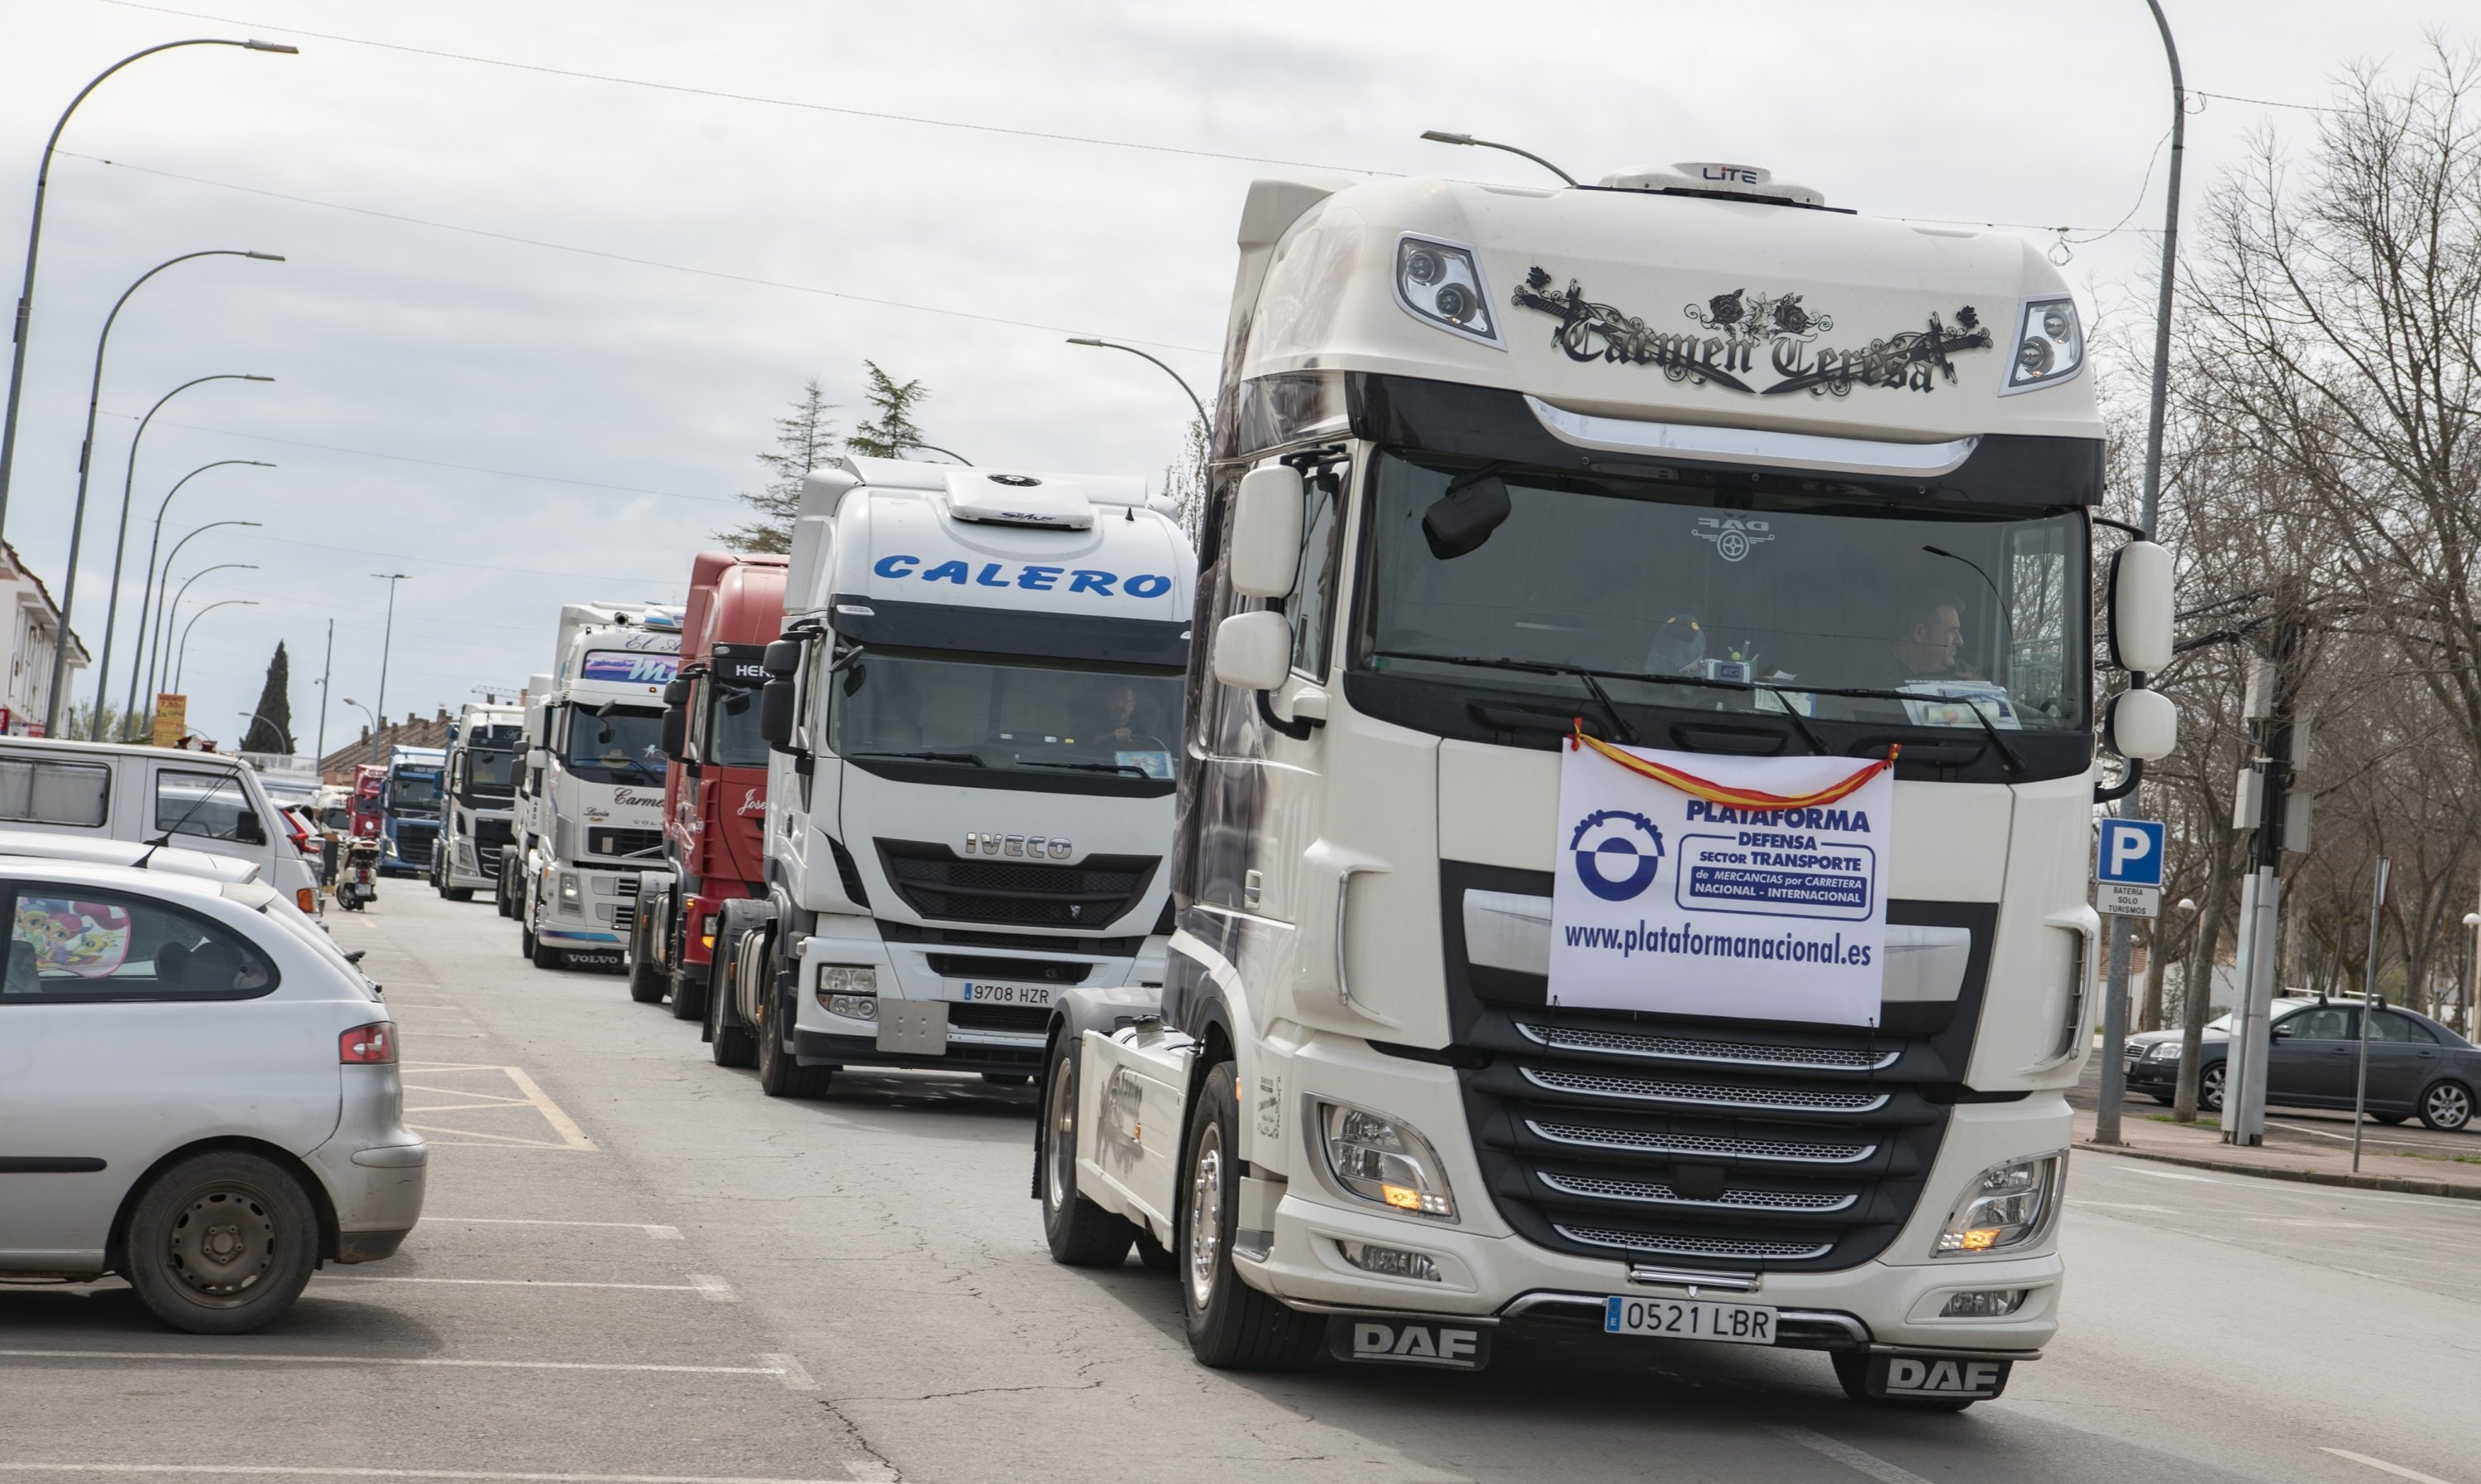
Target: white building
x=34, y=637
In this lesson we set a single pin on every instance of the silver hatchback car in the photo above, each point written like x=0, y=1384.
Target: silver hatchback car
x=197, y=1089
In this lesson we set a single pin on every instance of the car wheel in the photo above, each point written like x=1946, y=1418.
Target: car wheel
x=2446, y=1107
x=222, y=1242
x=1231, y=1325
x=1852, y=1372
x=2210, y=1088
x=1080, y=1233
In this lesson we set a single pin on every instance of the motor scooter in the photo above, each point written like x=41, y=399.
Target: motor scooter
x=358, y=879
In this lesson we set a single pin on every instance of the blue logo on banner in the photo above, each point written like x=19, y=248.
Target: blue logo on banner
x=1616, y=853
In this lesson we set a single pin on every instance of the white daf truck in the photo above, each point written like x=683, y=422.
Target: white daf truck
x=1687, y=468
x=485, y=751
x=974, y=712
x=590, y=810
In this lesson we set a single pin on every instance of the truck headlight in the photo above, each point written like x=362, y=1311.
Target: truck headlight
x=1441, y=285
x=849, y=990
x=1382, y=1159
x=2004, y=1207
x=568, y=890
x=2049, y=345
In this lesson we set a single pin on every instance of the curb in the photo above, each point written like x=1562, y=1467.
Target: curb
x=2401, y=1185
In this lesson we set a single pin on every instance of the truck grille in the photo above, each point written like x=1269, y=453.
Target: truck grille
x=936, y=882
x=1023, y=971
x=1734, y=1144
x=414, y=843
x=489, y=835
x=613, y=841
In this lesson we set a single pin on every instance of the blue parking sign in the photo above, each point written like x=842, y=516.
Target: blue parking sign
x=2130, y=853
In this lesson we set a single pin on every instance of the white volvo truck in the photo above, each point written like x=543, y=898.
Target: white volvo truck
x=1689, y=462
x=973, y=713
x=589, y=814
x=485, y=751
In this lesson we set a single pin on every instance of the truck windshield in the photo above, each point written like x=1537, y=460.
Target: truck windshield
x=984, y=712
x=491, y=772
x=618, y=744
x=414, y=794
x=732, y=738
x=1800, y=583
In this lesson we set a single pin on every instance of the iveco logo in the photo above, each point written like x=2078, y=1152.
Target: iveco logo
x=1032, y=847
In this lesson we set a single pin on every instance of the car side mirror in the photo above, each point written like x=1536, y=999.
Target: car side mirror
x=2140, y=608
x=1264, y=552
x=2141, y=725
x=248, y=830
x=2279, y=1034
x=1253, y=651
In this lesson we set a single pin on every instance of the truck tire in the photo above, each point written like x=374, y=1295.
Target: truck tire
x=645, y=979
x=543, y=955
x=504, y=893
x=1080, y=1233
x=458, y=893
x=1231, y=1325
x=780, y=1072
x=222, y=1242
x=727, y=1038
x=689, y=992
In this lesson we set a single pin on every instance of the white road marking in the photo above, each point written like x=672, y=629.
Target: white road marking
x=2202, y=1180
x=2382, y=1467
x=228, y=1357
x=1848, y=1456
x=271, y=1470
x=425, y=1078
x=706, y=1288
x=714, y=1287
x=791, y=1371
x=660, y=1234
x=2160, y=1210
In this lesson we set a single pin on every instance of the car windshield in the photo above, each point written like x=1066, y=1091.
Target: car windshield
x=732, y=737
x=617, y=744
x=1799, y=582
x=985, y=711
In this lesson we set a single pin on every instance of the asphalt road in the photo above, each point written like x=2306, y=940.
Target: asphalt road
x=636, y=1267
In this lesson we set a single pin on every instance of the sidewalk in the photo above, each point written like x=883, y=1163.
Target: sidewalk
x=2200, y=1147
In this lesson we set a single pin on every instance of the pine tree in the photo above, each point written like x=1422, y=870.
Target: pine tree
x=1184, y=481
x=891, y=433
x=804, y=441
x=271, y=726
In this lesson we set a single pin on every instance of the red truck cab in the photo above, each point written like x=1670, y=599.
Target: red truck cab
x=370, y=797
x=715, y=785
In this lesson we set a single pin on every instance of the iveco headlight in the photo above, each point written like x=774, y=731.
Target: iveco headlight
x=846, y=980
x=2049, y=345
x=1382, y=1159
x=2007, y=1206
x=1441, y=284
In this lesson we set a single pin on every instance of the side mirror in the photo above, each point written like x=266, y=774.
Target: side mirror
x=674, y=739
x=1253, y=651
x=246, y=830
x=775, y=712
x=539, y=757
x=783, y=658
x=676, y=690
x=2140, y=608
x=1464, y=518
x=2279, y=1034
x=1266, y=547
x=2142, y=725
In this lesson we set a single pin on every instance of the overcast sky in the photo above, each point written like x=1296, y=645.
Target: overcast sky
x=519, y=423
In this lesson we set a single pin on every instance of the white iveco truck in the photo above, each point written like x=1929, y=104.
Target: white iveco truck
x=1692, y=465
x=590, y=809
x=485, y=749
x=973, y=713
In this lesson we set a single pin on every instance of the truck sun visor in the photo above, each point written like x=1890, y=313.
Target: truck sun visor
x=1004, y=631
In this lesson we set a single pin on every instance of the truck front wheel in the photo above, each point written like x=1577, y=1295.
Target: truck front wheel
x=727, y=1035
x=646, y=977
x=1081, y=1232
x=1232, y=1326
x=780, y=1072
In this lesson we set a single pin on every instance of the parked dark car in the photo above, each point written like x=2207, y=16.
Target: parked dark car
x=2417, y=1067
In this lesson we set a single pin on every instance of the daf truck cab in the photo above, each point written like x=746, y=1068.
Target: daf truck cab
x=1682, y=477
x=715, y=781
x=590, y=816
x=973, y=715
x=486, y=747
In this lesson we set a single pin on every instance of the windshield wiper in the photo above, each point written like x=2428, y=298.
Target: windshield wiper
x=2015, y=762
x=1089, y=767
x=1589, y=677
x=926, y=755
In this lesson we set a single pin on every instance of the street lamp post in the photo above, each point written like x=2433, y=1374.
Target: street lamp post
x=371, y=741
x=120, y=545
x=163, y=628
x=172, y=612
x=86, y=462
x=181, y=651
x=1113, y=345
x=2472, y=980
x=252, y=717
x=147, y=647
x=20, y=331
x=387, y=636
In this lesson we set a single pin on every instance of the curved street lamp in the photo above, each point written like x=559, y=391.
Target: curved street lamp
x=120, y=544
x=147, y=593
x=1113, y=345
x=86, y=461
x=163, y=628
x=371, y=740
x=181, y=654
x=172, y=609
x=34, y=242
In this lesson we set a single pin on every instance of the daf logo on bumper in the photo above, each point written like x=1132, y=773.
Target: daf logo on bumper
x=1032, y=847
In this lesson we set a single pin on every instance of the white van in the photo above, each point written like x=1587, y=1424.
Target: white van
x=197, y=800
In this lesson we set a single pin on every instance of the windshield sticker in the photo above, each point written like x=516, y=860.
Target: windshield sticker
x=1731, y=536
x=637, y=669
x=1729, y=330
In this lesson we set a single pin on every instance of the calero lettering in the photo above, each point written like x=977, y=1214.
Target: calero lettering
x=1029, y=577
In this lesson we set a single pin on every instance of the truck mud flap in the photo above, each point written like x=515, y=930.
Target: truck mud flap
x=1936, y=1377
x=1439, y=1344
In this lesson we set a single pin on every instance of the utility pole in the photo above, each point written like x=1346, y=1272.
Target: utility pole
x=2266, y=805
x=327, y=672
x=387, y=638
